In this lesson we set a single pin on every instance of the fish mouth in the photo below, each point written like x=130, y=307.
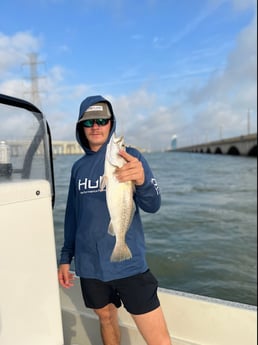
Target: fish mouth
x=118, y=140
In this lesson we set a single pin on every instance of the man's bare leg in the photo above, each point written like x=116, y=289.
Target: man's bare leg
x=109, y=326
x=153, y=327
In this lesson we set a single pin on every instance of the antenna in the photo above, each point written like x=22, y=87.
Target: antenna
x=33, y=64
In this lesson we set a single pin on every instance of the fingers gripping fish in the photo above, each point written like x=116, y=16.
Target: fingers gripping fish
x=119, y=199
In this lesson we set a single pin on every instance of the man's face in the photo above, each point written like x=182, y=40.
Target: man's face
x=97, y=135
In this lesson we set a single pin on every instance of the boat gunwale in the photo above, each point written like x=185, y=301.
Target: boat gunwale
x=213, y=300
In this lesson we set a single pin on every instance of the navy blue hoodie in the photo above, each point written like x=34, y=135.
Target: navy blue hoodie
x=87, y=217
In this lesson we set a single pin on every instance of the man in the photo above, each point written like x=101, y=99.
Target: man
x=106, y=285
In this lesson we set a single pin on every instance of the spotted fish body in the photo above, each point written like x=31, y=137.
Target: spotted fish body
x=119, y=200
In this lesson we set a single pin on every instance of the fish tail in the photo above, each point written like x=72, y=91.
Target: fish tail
x=121, y=253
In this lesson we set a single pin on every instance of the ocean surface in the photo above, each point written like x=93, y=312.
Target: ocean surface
x=203, y=239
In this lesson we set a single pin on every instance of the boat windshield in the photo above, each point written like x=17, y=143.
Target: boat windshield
x=25, y=143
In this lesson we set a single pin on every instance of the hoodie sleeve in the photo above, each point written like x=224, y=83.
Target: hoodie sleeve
x=67, y=252
x=147, y=196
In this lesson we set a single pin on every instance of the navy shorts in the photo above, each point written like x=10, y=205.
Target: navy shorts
x=138, y=293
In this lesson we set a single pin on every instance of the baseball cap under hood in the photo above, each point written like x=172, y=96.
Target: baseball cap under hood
x=93, y=107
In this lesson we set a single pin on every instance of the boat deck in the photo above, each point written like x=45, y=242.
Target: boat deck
x=191, y=319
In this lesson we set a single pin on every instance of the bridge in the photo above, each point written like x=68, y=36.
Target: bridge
x=66, y=148
x=244, y=145
x=19, y=147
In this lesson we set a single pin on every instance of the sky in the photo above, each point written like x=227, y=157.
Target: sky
x=186, y=68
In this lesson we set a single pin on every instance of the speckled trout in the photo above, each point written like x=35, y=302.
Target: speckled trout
x=119, y=198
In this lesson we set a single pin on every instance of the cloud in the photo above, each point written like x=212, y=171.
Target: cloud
x=223, y=102
x=13, y=50
x=238, y=5
x=14, y=55
x=145, y=123
x=210, y=7
x=241, y=5
x=219, y=107
x=238, y=75
x=178, y=102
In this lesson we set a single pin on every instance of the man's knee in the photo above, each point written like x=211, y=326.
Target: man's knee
x=107, y=314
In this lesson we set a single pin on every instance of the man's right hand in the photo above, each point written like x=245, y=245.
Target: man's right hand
x=65, y=277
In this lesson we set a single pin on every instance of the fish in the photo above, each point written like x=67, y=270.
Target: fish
x=119, y=197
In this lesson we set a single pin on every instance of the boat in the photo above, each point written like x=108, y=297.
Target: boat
x=34, y=309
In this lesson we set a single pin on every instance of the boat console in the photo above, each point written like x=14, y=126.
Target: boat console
x=25, y=143
x=30, y=310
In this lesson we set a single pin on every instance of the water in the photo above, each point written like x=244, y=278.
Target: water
x=203, y=240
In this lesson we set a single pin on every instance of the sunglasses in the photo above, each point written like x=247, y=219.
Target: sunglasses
x=99, y=122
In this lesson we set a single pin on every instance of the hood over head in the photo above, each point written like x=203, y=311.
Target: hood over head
x=94, y=107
